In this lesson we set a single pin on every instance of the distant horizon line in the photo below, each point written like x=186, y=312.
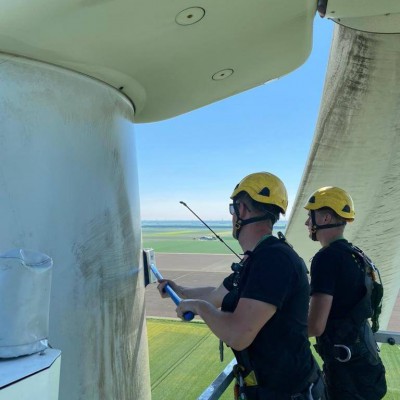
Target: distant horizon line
x=194, y=219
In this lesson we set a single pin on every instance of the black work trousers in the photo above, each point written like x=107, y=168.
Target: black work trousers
x=356, y=379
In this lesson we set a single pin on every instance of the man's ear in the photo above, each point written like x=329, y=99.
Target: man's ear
x=243, y=209
x=240, y=209
x=328, y=217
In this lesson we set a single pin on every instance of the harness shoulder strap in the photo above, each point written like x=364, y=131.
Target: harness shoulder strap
x=370, y=305
x=376, y=294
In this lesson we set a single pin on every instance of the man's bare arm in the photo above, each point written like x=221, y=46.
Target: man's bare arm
x=237, y=329
x=320, y=307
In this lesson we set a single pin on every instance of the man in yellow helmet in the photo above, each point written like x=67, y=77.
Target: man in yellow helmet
x=341, y=302
x=260, y=310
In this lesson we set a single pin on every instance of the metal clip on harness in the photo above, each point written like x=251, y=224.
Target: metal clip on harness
x=348, y=351
x=240, y=384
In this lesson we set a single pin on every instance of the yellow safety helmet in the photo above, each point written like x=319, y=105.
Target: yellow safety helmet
x=264, y=187
x=335, y=198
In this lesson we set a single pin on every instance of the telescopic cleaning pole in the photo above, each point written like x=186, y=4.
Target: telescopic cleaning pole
x=220, y=239
x=188, y=315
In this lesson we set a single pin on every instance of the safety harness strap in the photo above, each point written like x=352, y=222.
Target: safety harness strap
x=347, y=337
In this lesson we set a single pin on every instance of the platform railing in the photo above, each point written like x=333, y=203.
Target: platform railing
x=225, y=378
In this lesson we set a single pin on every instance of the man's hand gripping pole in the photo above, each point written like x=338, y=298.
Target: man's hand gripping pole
x=188, y=315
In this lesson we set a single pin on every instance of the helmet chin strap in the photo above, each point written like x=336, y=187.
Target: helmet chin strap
x=315, y=227
x=242, y=222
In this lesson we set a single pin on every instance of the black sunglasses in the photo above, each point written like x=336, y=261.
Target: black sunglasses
x=234, y=208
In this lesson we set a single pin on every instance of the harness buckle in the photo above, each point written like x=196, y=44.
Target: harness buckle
x=348, y=352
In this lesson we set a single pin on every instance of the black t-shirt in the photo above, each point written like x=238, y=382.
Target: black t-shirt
x=280, y=354
x=336, y=272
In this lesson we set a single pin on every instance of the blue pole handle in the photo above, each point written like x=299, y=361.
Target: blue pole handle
x=188, y=315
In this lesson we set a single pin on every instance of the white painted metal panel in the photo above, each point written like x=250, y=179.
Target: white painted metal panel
x=361, y=8
x=31, y=377
x=40, y=384
x=386, y=23
x=357, y=147
x=154, y=52
x=69, y=187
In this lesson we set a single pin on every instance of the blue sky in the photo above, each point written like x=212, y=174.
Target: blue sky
x=200, y=156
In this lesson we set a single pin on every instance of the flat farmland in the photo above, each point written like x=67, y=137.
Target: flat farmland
x=181, y=240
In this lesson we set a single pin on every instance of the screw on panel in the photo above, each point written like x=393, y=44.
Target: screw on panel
x=190, y=16
x=225, y=73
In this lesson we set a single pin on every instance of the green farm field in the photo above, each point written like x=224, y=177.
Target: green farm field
x=188, y=241
x=184, y=360
x=184, y=240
